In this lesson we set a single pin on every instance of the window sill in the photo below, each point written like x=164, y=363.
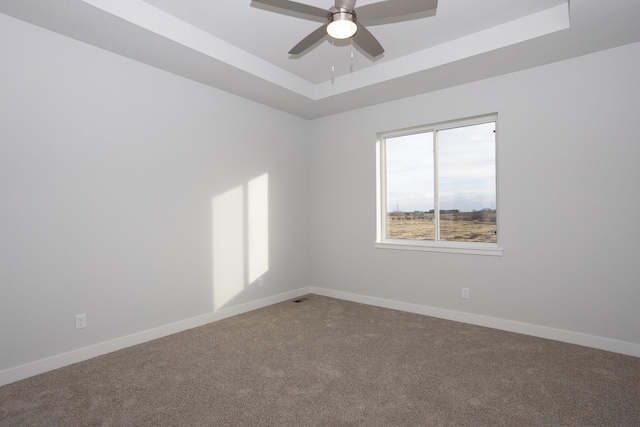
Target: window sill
x=489, y=249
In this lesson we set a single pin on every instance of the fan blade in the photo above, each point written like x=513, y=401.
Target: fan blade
x=346, y=4
x=309, y=41
x=301, y=10
x=389, y=11
x=367, y=41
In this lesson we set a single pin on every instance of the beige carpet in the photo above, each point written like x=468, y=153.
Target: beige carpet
x=327, y=362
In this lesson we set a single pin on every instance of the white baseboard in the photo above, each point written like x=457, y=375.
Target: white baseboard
x=58, y=361
x=616, y=346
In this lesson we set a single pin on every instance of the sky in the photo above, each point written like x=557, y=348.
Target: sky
x=466, y=164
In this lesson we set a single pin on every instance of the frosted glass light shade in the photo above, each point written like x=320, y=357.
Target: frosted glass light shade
x=342, y=26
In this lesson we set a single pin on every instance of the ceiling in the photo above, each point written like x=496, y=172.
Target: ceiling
x=241, y=47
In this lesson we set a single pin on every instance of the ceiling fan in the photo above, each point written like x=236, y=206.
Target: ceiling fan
x=343, y=21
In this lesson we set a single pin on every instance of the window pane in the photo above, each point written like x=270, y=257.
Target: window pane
x=410, y=186
x=467, y=183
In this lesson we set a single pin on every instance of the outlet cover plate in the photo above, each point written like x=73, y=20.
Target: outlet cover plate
x=81, y=321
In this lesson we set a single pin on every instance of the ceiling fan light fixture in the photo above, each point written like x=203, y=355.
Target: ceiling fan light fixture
x=341, y=25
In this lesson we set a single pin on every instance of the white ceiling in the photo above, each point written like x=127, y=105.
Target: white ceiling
x=241, y=48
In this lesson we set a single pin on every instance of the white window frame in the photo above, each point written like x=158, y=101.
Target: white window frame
x=476, y=248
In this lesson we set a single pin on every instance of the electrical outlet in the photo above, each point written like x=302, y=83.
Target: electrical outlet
x=465, y=292
x=261, y=282
x=81, y=321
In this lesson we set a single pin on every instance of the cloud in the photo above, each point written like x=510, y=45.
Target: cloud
x=466, y=166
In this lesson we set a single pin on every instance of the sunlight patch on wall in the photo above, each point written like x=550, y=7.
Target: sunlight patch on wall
x=258, y=225
x=228, y=246
x=240, y=239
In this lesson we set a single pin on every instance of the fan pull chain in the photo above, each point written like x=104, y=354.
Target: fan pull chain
x=333, y=67
x=351, y=63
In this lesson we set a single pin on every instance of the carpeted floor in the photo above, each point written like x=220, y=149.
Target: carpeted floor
x=327, y=362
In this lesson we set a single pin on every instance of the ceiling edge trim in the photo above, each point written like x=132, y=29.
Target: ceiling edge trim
x=163, y=24
x=513, y=32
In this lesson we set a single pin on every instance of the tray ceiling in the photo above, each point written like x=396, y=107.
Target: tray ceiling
x=241, y=47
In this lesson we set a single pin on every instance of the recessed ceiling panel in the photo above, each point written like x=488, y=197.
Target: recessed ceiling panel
x=236, y=46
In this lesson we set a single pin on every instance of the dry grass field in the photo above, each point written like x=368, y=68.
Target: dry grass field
x=460, y=231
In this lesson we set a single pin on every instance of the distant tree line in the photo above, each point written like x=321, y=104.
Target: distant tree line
x=483, y=215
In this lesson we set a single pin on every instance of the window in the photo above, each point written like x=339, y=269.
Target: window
x=437, y=187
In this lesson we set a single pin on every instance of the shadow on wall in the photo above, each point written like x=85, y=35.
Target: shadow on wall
x=240, y=239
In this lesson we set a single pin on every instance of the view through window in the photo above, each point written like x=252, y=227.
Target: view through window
x=439, y=183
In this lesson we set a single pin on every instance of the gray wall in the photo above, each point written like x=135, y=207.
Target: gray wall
x=108, y=172
x=569, y=166
x=117, y=181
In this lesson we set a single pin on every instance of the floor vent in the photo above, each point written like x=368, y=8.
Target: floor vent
x=300, y=300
